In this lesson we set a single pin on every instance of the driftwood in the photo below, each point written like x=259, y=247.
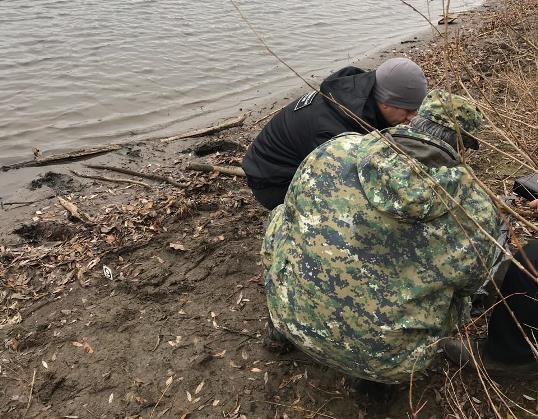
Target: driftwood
x=110, y=179
x=138, y=174
x=60, y=158
x=236, y=122
x=229, y=170
x=448, y=19
x=74, y=211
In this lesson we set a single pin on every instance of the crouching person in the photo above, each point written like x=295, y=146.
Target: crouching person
x=371, y=259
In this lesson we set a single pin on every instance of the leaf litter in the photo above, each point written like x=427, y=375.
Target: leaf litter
x=107, y=236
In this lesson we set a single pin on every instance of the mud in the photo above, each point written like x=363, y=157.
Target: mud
x=58, y=182
x=45, y=231
x=175, y=328
x=178, y=330
x=171, y=318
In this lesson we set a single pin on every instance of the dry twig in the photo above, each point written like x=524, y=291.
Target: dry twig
x=151, y=176
x=30, y=395
x=235, y=122
x=110, y=179
x=228, y=170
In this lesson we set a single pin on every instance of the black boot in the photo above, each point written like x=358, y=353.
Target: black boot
x=459, y=353
x=274, y=341
x=375, y=392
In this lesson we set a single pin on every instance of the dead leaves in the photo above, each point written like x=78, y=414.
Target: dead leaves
x=292, y=380
x=214, y=320
x=219, y=355
x=112, y=221
x=234, y=414
x=35, y=268
x=199, y=388
x=168, y=383
x=12, y=344
x=85, y=345
x=178, y=246
x=175, y=342
x=234, y=365
x=239, y=298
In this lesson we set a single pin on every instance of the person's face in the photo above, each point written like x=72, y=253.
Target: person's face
x=395, y=116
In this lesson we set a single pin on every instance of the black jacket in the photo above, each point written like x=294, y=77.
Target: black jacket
x=307, y=122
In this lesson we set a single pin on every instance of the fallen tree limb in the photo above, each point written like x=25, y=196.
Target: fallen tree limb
x=236, y=122
x=110, y=179
x=151, y=176
x=229, y=170
x=60, y=158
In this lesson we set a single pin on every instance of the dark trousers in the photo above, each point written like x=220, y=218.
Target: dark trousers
x=505, y=341
x=271, y=196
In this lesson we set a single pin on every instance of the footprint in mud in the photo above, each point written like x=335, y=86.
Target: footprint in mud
x=58, y=182
x=50, y=385
x=45, y=231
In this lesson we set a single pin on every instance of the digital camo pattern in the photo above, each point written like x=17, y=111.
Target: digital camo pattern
x=445, y=109
x=365, y=266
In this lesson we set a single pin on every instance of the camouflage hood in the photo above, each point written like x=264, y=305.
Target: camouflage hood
x=399, y=185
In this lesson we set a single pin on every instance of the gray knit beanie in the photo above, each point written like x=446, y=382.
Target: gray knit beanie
x=401, y=83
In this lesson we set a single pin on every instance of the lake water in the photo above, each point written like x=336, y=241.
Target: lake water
x=85, y=72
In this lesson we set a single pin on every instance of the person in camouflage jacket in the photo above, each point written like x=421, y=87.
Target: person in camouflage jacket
x=371, y=259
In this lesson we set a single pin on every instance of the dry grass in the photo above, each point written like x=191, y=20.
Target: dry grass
x=496, y=65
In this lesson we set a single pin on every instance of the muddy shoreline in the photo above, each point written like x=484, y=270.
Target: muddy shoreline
x=139, y=302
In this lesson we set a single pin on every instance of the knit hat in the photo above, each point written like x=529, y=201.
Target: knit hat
x=401, y=83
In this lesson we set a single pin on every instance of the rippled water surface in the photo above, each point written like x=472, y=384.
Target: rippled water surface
x=81, y=72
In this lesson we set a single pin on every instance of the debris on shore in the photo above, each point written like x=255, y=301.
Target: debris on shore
x=141, y=296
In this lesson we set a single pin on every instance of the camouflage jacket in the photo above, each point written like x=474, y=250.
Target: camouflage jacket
x=366, y=264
